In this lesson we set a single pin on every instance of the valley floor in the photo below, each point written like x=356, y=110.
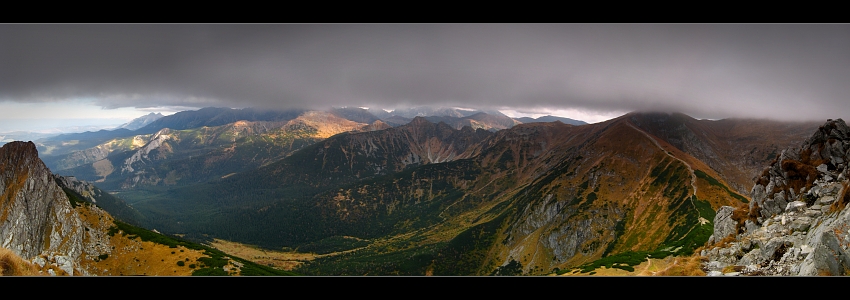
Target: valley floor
x=277, y=259
x=650, y=267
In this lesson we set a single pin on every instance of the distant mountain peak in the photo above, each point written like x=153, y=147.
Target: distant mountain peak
x=551, y=118
x=142, y=121
x=420, y=120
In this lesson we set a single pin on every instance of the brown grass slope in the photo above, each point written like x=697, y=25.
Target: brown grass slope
x=737, y=149
x=122, y=254
x=608, y=180
x=577, y=192
x=13, y=265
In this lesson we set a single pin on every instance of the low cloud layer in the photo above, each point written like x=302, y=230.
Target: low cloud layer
x=789, y=72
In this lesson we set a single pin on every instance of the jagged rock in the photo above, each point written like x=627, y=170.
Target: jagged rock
x=800, y=225
x=830, y=189
x=793, y=239
x=815, y=191
x=750, y=226
x=831, y=250
x=770, y=208
x=754, y=257
x=723, y=224
x=813, y=213
x=779, y=199
x=65, y=263
x=37, y=217
x=716, y=265
x=40, y=261
x=746, y=245
x=776, y=247
x=757, y=194
x=796, y=206
x=820, y=260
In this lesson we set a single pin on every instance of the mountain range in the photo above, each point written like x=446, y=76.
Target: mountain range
x=428, y=191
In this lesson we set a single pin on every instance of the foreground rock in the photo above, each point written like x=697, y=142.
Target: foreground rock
x=36, y=217
x=797, y=222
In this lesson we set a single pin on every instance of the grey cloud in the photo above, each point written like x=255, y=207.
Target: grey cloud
x=712, y=71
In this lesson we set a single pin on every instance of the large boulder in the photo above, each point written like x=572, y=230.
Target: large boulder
x=724, y=225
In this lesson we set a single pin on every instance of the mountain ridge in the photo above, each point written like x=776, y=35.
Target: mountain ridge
x=539, y=159
x=531, y=198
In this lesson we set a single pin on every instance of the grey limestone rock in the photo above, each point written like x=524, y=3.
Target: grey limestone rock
x=38, y=216
x=750, y=226
x=796, y=206
x=754, y=257
x=723, y=224
x=716, y=265
x=789, y=237
x=826, y=200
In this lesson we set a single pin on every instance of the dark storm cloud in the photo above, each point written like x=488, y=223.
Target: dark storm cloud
x=713, y=71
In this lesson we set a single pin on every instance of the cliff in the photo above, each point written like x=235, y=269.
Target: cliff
x=36, y=216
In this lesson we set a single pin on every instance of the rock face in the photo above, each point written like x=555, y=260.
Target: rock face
x=797, y=223
x=36, y=216
x=142, y=153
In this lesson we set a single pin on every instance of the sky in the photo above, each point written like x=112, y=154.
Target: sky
x=589, y=72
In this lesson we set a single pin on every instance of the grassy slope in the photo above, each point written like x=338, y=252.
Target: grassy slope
x=138, y=251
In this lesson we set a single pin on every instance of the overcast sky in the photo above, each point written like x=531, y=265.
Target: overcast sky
x=592, y=71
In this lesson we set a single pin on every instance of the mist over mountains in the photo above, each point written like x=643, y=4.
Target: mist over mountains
x=444, y=192
x=424, y=149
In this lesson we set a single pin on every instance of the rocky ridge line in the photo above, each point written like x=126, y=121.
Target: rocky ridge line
x=796, y=223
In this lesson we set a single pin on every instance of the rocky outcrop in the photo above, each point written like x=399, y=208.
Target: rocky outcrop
x=142, y=153
x=36, y=217
x=822, y=156
x=796, y=223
